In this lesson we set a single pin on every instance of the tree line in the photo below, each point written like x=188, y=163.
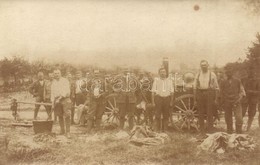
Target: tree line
x=17, y=67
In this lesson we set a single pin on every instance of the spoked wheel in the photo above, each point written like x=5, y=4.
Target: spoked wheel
x=184, y=114
x=111, y=111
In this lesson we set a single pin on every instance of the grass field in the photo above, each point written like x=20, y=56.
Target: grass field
x=108, y=150
x=181, y=149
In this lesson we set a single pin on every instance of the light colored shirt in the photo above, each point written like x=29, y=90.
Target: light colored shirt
x=206, y=80
x=59, y=88
x=78, y=86
x=41, y=82
x=163, y=87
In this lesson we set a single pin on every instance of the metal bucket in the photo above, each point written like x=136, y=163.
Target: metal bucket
x=42, y=126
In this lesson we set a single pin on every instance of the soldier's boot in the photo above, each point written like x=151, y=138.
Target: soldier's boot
x=249, y=123
x=72, y=116
x=157, y=125
x=36, y=110
x=89, y=125
x=229, y=129
x=239, y=129
x=55, y=118
x=67, y=122
x=62, y=128
x=131, y=122
x=48, y=110
x=98, y=124
x=121, y=123
x=165, y=125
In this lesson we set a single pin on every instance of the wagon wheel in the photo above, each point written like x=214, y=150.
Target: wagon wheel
x=184, y=114
x=112, y=111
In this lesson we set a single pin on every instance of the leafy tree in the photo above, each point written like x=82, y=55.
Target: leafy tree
x=253, y=56
x=253, y=6
x=16, y=67
x=251, y=64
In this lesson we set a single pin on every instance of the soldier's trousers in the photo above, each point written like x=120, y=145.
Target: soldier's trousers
x=129, y=110
x=37, y=107
x=205, y=105
x=249, y=107
x=80, y=98
x=95, y=113
x=63, y=111
x=237, y=110
x=162, y=112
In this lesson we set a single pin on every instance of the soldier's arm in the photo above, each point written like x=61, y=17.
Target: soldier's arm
x=195, y=86
x=32, y=89
x=257, y=89
x=153, y=92
x=216, y=86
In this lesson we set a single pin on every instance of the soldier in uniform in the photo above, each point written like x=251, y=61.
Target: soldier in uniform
x=249, y=104
x=145, y=99
x=126, y=99
x=232, y=91
x=72, y=94
x=48, y=92
x=96, y=100
x=37, y=89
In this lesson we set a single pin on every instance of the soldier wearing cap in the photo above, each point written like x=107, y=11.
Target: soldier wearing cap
x=205, y=96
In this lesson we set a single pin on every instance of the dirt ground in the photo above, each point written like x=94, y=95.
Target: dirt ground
x=105, y=147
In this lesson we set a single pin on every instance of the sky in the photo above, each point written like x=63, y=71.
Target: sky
x=127, y=33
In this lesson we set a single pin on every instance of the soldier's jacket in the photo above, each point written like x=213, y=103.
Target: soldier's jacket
x=96, y=89
x=252, y=89
x=72, y=89
x=47, y=89
x=125, y=95
x=38, y=90
x=144, y=93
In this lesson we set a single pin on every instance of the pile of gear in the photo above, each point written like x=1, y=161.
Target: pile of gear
x=221, y=142
x=44, y=137
x=143, y=135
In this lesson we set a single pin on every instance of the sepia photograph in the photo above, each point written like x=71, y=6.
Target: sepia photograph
x=129, y=82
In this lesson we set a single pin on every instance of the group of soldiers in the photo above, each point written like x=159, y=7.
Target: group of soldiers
x=156, y=94
x=231, y=94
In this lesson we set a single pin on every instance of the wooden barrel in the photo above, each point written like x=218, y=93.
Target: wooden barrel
x=42, y=126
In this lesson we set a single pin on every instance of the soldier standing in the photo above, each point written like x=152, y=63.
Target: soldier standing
x=162, y=99
x=126, y=99
x=96, y=100
x=249, y=104
x=205, y=96
x=60, y=96
x=72, y=94
x=145, y=96
x=48, y=92
x=232, y=91
x=38, y=91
